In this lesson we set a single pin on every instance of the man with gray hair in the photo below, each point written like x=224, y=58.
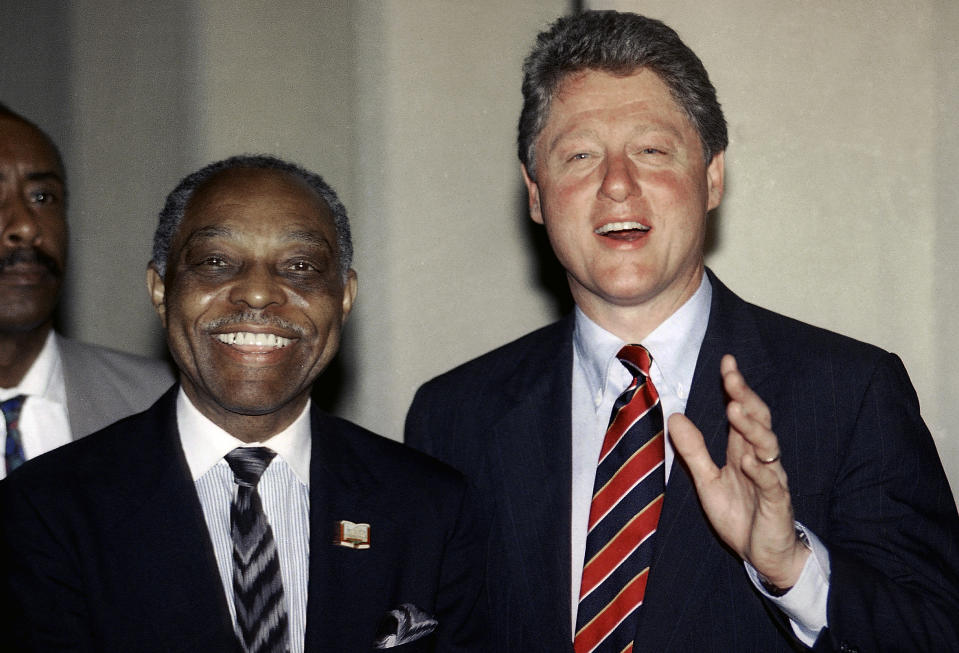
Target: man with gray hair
x=234, y=515
x=826, y=519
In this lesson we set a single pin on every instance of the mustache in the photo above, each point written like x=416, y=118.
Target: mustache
x=33, y=257
x=255, y=318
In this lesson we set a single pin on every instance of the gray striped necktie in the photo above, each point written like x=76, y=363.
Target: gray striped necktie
x=257, y=584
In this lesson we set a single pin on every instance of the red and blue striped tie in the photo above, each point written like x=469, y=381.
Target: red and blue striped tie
x=623, y=516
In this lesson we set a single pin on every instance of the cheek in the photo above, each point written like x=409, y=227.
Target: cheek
x=56, y=237
x=677, y=194
x=186, y=310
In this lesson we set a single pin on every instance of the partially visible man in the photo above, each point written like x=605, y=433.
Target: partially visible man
x=233, y=514
x=613, y=529
x=52, y=389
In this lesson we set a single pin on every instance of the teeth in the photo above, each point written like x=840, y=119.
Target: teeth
x=619, y=226
x=256, y=339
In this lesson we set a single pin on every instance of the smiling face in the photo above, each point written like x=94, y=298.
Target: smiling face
x=253, y=301
x=623, y=191
x=33, y=228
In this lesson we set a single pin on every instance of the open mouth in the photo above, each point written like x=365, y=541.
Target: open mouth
x=622, y=230
x=265, y=341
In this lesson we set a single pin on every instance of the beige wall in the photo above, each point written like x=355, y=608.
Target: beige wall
x=840, y=199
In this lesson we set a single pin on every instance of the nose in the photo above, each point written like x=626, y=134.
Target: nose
x=619, y=178
x=18, y=223
x=257, y=287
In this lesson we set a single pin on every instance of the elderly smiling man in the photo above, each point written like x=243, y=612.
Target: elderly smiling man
x=232, y=515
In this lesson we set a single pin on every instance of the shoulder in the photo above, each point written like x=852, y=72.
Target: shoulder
x=122, y=363
x=109, y=384
x=792, y=341
x=508, y=366
x=353, y=447
x=104, y=461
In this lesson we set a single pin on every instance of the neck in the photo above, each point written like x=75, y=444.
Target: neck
x=18, y=352
x=249, y=428
x=632, y=322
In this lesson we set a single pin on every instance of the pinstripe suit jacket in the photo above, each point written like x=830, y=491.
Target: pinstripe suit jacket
x=104, y=547
x=863, y=472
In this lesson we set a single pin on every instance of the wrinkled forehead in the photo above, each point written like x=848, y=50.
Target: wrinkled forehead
x=256, y=199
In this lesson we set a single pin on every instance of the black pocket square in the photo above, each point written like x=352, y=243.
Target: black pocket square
x=405, y=624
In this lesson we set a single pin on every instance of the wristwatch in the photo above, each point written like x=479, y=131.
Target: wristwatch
x=769, y=587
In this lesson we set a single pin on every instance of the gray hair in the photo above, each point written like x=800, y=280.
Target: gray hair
x=620, y=44
x=178, y=200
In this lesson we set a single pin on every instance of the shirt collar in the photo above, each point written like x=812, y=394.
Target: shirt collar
x=45, y=376
x=205, y=444
x=674, y=344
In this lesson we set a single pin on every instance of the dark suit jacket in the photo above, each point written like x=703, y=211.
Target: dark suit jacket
x=104, y=545
x=863, y=472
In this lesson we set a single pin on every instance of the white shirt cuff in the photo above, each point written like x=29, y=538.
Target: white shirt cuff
x=805, y=602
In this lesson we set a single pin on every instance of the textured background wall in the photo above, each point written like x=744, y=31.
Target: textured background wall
x=839, y=211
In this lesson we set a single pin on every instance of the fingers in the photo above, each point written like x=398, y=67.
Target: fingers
x=689, y=445
x=739, y=392
x=749, y=417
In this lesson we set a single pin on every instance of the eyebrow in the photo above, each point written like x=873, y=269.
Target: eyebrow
x=308, y=237
x=41, y=176
x=216, y=231
x=45, y=176
x=589, y=132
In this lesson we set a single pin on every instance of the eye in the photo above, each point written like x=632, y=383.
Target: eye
x=43, y=197
x=302, y=266
x=214, y=261
x=579, y=156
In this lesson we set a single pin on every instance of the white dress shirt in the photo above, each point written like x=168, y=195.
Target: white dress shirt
x=599, y=378
x=44, y=423
x=284, y=490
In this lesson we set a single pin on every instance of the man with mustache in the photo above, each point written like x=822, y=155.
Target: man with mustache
x=671, y=468
x=52, y=389
x=234, y=515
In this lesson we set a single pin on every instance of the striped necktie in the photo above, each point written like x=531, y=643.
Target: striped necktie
x=627, y=500
x=13, y=454
x=261, y=614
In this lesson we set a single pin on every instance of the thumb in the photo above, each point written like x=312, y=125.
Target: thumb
x=688, y=443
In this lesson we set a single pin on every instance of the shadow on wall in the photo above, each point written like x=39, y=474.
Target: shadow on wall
x=550, y=275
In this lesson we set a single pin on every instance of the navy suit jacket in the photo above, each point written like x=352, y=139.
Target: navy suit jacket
x=863, y=473
x=105, y=548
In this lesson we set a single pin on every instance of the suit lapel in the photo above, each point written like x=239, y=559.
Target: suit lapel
x=530, y=467
x=158, y=511
x=344, y=583
x=686, y=547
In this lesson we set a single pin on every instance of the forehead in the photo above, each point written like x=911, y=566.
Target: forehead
x=263, y=202
x=26, y=148
x=600, y=96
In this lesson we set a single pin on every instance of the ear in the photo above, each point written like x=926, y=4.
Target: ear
x=157, y=290
x=349, y=293
x=532, y=189
x=715, y=175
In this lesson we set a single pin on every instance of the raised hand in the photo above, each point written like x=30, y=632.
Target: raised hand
x=747, y=501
